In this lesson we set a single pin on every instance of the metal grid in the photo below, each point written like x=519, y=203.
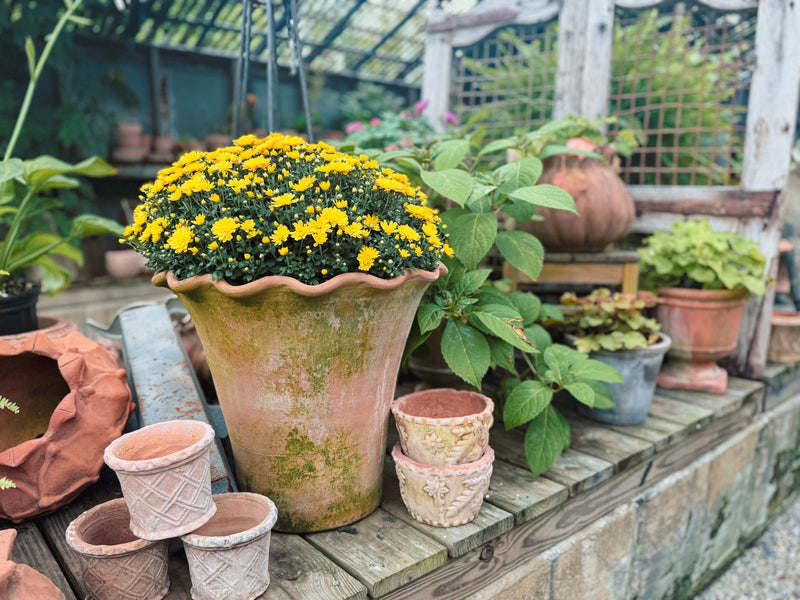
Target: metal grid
x=509, y=78
x=681, y=76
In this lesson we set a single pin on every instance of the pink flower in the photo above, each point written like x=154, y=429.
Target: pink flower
x=406, y=115
x=375, y=121
x=419, y=107
x=450, y=118
x=354, y=126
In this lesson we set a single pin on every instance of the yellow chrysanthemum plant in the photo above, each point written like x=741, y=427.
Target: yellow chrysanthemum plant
x=281, y=206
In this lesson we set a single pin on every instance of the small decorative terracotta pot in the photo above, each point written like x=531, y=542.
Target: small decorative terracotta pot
x=784, y=339
x=443, y=496
x=443, y=426
x=164, y=473
x=229, y=556
x=114, y=562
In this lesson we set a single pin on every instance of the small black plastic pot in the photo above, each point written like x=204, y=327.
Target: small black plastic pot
x=18, y=311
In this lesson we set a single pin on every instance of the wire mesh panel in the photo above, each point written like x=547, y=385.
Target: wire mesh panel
x=509, y=78
x=680, y=76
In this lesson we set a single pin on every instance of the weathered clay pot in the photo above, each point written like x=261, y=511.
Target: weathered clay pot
x=305, y=376
x=704, y=326
x=124, y=264
x=443, y=496
x=114, y=562
x=229, y=556
x=443, y=426
x=74, y=400
x=165, y=476
x=604, y=205
x=20, y=582
x=784, y=339
x=639, y=368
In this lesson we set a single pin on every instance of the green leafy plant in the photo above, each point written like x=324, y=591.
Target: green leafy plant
x=483, y=325
x=693, y=255
x=606, y=321
x=6, y=404
x=22, y=201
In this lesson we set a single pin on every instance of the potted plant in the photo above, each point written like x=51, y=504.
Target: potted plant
x=703, y=278
x=25, y=195
x=302, y=268
x=614, y=329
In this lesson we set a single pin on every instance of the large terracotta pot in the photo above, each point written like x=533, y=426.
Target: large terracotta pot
x=305, y=376
x=74, y=400
x=704, y=326
x=605, y=207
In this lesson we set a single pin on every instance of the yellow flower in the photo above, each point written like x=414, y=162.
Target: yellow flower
x=334, y=216
x=408, y=233
x=280, y=235
x=285, y=199
x=224, y=228
x=448, y=250
x=389, y=227
x=366, y=258
x=199, y=219
x=213, y=246
x=245, y=140
x=304, y=183
x=421, y=212
x=214, y=197
x=301, y=230
x=372, y=221
x=180, y=239
x=249, y=227
x=283, y=251
x=324, y=185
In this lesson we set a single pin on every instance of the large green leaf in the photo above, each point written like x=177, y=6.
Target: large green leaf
x=502, y=355
x=53, y=276
x=545, y=439
x=602, y=395
x=37, y=240
x=559, y=359
x=595, y=369
x=523, y=250
x=85, y=225
x=42, y=168
x=525, y=402
x=466, y=352
x=519, y=174
x=454, y=184
x=471, y=281
x=506, y=329
x=449, y=154
x=498, y=146
x=428, y=317
x=547, y=195
x=11, y=169
x=472, y=236
x=581, y=392
x=528, y=305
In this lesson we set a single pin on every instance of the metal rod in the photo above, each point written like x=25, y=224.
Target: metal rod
x=271, y=60
x=294, y=33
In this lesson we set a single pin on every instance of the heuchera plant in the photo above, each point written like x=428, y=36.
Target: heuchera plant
x=693, y=255
x=606, y=321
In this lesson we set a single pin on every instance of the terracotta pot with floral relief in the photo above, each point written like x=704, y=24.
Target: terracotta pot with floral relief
x=443, y=426
x=114, y=563
x=165, y=476
x=443, y=496
x=73, y=401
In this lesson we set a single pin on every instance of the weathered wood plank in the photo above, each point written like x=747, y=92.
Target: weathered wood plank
x=575, y=470
x=381, y=551
x=31, y=549
x=782, y=382
x=489, y=524
x=621, y=450
x=690, y=416
x=298, y=570
x=469, y=573
x=660, y=432
x=517, y=491
x=720, y=404
x=746, y=388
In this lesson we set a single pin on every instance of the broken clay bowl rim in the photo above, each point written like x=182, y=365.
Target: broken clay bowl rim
x=77, y=543
x=173, y=459
x=398, y=408
x=212, y=542
x=483, y=462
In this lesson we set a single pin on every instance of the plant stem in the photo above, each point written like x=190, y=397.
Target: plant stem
x=26, y=103
x=13, y=231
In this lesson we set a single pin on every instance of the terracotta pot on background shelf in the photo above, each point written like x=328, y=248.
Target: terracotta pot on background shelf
x=125, y=264
x=639, y=368
x=604, y=205
x=133, y=145
x=704, y=326
x=229, y=556
x=162, y=149
x=443, y=426
x=217, y=140
x=114, y=563
x=307, y=413
x=784, y=339
x=18, y=311
x=165, y=476
x=74, y=400
x=443, y=496
x=20, y=582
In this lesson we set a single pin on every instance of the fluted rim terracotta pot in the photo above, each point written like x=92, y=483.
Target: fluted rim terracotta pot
x=704, y=327
x=443, y=496
x=74, y=400
x=305, y=375
x=229, y=556
x=165, y=476
x=443, y=426
x=115, y=563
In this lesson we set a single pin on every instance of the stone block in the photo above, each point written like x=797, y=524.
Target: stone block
x=531, y=581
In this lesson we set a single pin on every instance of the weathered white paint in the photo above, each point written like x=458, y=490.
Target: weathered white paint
x=717, y=4
x=772, y=106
